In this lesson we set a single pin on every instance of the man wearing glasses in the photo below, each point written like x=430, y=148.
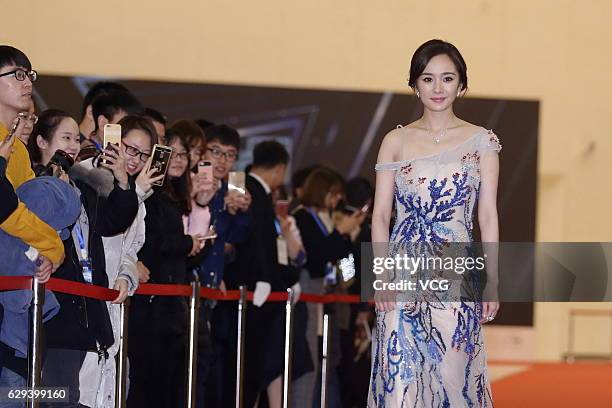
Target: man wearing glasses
x=16, y=78
x=107, y=108
x=230, y=219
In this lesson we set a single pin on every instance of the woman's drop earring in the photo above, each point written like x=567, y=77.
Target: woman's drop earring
x=418, y=95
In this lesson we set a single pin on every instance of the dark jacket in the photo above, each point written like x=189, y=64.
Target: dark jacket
x=321, y=248
x=257, y=258
x=83, y=321
x=165, y=254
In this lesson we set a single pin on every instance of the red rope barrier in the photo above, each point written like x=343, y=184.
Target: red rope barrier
x=163, y=290
x=15, y=282
x=81, y=289
x=100, y=293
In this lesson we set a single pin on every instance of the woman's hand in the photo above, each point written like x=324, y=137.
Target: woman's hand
x=197, y=244
x=122, y=286
x=145, y=179
x=385, y=300
x=201, y=184
x=144, y=274
x=114, y=160
x=349, y=223
x=489, y=311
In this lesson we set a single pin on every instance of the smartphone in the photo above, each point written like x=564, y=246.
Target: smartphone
x=14, y=128
x=365, y=208
x=282, y=208
x=205, y=167
x=236, y=181
x=160, y=161
x=112, y=134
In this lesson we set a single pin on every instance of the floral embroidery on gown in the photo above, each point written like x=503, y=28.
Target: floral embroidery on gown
x=430, y=352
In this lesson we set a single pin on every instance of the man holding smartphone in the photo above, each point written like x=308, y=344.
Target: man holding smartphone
x=107, y=108
x=229, y=220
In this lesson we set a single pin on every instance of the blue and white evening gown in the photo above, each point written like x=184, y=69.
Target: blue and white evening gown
x=430, y=353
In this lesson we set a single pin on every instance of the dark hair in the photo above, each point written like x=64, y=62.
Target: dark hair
x=191, y=131
x=98, y=89
x=358, y=191
x=430, y=49
x=12, y=56
x=269, y=154
x=178, y=189
x=320, y=182
x=155, y=116
x=204, y=124
x=224, y=135
x=108, y=105
x=45, y=127
x=135, y=122
x=299, y=177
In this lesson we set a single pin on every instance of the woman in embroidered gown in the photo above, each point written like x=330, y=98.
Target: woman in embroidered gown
x=429, y=351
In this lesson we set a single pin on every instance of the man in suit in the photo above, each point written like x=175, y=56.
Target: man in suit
x=264, y=267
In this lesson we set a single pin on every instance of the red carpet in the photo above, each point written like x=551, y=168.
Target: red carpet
x=583, y=385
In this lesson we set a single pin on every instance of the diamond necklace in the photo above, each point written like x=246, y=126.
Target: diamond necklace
x=435, y=138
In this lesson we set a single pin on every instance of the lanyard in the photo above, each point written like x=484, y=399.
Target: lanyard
x=277, y=226
x=79, y=234
x=322, y=226
x=84, y=260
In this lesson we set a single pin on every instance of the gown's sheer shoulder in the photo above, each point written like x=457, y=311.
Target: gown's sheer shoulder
x=388, y=166
x=489, y=142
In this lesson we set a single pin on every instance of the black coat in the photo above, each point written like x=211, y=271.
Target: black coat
x=257, y=258
x=83, y=321
x=165, y=253
x=320, y=248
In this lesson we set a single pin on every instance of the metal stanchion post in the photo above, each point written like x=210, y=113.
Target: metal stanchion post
x=288, y=349
x=242, y=305
x=35, y=357
x=121, y=380
x=324, y=361
x=192, y=349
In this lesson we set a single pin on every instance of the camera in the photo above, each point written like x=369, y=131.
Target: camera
x=60, y=161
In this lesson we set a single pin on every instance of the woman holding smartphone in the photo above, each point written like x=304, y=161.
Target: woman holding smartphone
x=83, y=324
x=159, y=323
x=325, y=244
x=428, y=349
x=97, y=376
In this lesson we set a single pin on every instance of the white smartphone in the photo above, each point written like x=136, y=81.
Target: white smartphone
x=236, y=181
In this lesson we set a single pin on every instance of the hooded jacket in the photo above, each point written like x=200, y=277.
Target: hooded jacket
x=56, y=203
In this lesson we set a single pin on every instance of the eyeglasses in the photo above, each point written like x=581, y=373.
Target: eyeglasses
x=29, y=117
x=182, y=156
x=21, y=74
x=134, y=152
x=218, y=153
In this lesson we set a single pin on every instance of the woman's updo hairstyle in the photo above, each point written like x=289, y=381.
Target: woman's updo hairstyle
x=430, y=49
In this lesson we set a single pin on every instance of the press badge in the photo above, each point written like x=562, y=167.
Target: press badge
x=87, y=270
x=281, y=251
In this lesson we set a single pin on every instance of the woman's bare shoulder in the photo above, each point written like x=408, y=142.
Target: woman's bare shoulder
x=400, y=133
